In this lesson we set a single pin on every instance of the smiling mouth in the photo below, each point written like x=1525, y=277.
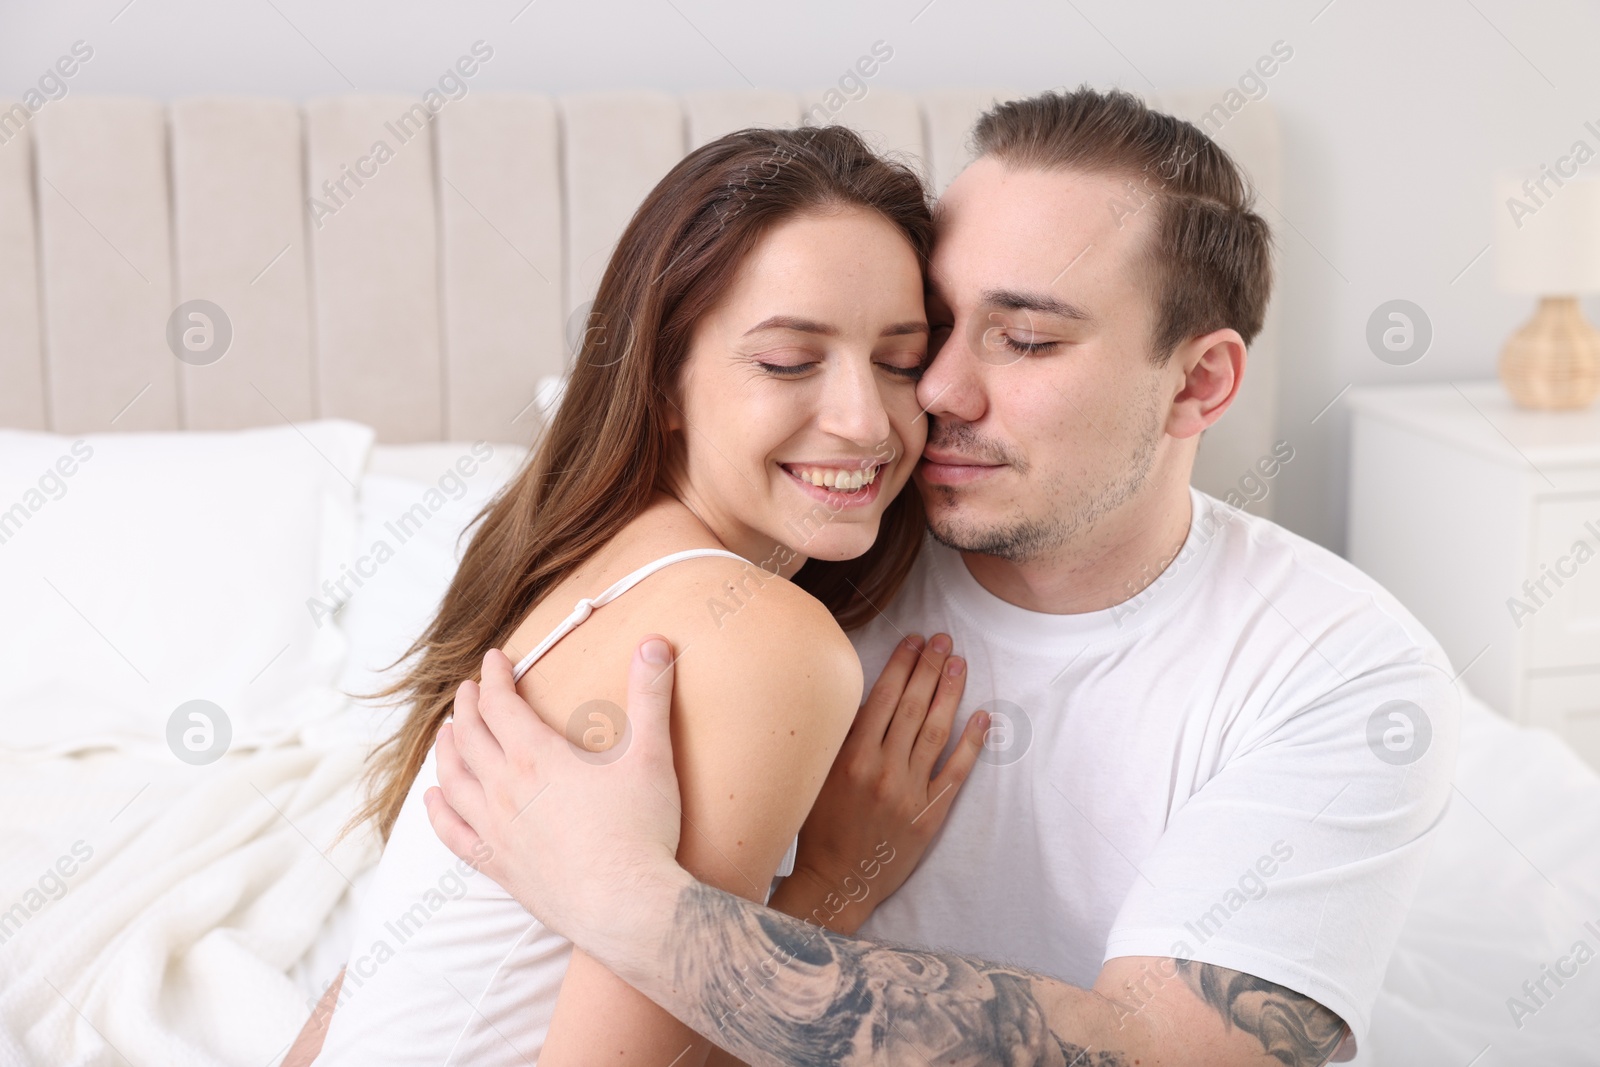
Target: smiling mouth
x=836, y=479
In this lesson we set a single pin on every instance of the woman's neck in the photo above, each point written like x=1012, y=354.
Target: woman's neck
x=767, y=554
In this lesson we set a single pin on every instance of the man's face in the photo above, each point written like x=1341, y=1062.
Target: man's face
x=1046, y=413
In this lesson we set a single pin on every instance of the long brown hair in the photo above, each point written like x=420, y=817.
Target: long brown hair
x=604, y=454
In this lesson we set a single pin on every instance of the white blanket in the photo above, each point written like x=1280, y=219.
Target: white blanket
x=192, y=892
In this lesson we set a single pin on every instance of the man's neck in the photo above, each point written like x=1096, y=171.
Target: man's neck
x=1106, y=566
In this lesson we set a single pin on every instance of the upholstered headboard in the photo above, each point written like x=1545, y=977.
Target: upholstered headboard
x=423, y=287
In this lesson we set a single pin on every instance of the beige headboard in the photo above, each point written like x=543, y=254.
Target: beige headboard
x=425, y=292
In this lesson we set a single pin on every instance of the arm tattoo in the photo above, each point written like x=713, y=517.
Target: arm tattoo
x=817, y=997
x=1295, y=1029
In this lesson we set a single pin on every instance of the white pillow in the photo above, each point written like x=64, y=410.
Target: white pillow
x=141, y=571
x=415, y=503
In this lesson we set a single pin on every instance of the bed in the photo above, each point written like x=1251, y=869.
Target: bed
x=190, y=564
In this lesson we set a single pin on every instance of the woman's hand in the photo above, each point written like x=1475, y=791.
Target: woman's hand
x=881, y=803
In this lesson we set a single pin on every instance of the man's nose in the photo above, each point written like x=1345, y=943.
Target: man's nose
x=952, y=385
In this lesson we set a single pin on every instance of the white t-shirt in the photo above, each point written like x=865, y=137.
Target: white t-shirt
x=1239, y=765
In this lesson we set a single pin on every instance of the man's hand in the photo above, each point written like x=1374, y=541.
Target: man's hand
x=579, y=858
x=882, y=804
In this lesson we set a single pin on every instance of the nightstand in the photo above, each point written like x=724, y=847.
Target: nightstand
x=1484, y=520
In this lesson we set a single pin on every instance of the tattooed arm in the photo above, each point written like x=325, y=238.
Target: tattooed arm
x=772, y=990
x=1292, y=1028
x=597, y=865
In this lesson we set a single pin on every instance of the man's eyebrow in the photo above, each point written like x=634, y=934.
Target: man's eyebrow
x=1019, y=300
x=799, y=325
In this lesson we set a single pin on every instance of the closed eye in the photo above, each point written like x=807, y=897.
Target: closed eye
x=785, y=370
x=910, y=374
x=1028, y=348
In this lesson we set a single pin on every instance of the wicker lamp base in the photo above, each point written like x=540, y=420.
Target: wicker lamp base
x=1553, y=362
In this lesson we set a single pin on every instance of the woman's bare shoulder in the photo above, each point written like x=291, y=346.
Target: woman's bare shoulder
x=742, y=633
x=736, y=603
x=728, y=601
x=756, y=633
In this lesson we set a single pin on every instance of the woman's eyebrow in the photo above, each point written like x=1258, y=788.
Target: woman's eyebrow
x=791, y=322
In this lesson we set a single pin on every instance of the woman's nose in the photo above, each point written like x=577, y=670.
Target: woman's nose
x=853, y=407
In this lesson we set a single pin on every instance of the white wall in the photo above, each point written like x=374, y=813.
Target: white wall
x=1395, y=115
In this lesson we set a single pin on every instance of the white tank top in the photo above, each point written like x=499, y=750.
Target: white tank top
x=445, y=966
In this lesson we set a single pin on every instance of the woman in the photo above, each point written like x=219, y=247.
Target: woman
x=728, y=468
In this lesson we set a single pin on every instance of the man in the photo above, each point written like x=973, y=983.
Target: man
x=1223, y=747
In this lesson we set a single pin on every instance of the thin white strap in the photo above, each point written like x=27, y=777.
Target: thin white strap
x=587, y=605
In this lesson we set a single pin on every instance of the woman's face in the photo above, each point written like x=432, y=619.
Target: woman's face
x=797, y=406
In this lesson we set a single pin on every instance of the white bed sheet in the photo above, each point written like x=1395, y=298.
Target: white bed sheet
x=1512, y=880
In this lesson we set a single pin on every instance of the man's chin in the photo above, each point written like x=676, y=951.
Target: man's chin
x=953, y=527
x=957, y=528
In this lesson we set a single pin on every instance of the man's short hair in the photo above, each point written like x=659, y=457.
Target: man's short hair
x=1210, y=252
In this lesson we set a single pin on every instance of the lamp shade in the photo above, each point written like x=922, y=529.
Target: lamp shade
x=1547, y=236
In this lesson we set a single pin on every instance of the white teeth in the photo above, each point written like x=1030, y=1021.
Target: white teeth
x=836, y=478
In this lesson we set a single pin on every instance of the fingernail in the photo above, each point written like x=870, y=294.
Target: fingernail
x=915, y=641
x=955, y=666
x=983, y=719
x=656, y=652
x=941, y=644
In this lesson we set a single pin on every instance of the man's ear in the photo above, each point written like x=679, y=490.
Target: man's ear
x=1212, y=368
